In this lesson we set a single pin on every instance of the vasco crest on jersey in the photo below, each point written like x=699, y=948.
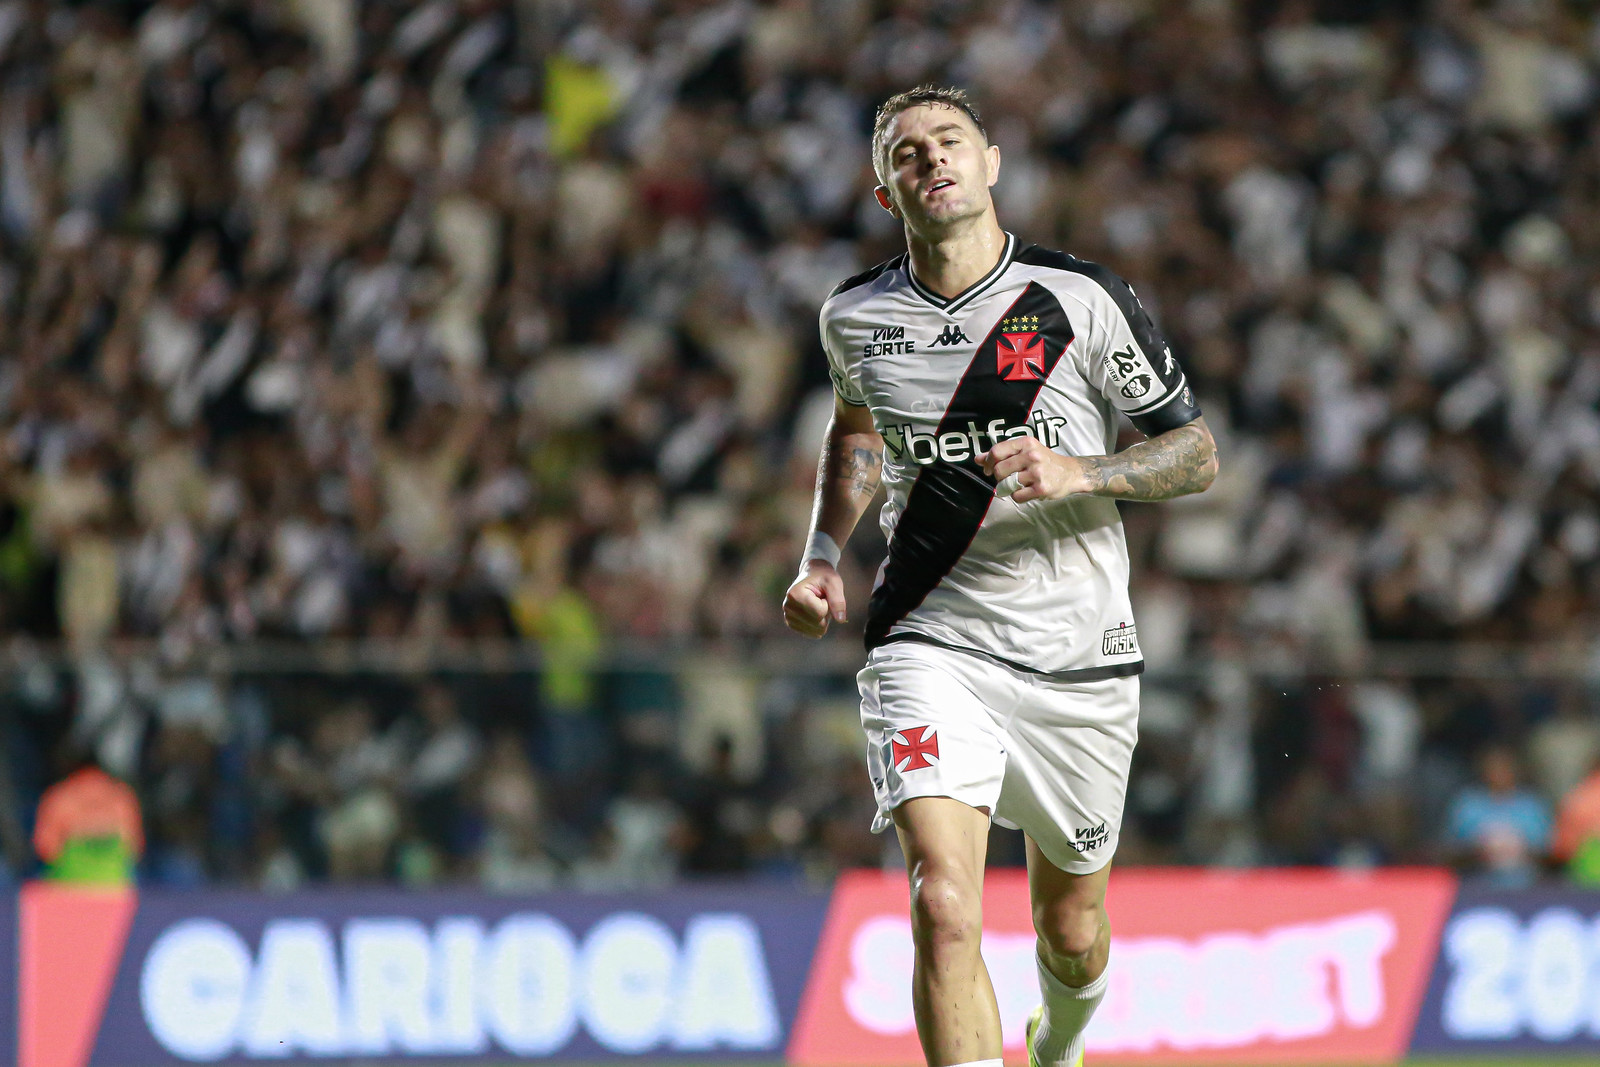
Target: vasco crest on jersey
x=1019, y=352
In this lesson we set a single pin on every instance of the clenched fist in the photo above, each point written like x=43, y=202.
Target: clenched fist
x=1041, y=473
x=815, y=599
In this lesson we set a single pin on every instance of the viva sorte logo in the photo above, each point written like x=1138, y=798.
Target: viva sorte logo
x=888, y=341
x=1090, y=838
x=955, y=446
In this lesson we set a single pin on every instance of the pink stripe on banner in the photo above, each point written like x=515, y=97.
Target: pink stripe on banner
x=71, y=941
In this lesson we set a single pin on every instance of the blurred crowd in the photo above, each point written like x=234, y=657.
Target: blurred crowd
x=496, y=319
x=712, y=766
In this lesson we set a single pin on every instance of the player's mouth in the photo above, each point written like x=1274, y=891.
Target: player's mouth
x=939, y=184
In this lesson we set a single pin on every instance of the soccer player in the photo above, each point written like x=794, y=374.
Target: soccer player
x=982, y=381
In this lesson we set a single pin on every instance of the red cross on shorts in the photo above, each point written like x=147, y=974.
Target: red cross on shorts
x=920, y=743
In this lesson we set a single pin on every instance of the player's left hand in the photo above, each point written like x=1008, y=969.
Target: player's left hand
x=1041, y=473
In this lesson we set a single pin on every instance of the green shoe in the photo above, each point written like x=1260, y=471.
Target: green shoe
x=1034, y=1019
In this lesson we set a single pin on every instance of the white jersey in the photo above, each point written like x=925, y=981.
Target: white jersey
x=1044, y=344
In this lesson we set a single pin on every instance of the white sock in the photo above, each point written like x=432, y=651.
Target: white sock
x=981, y=1063
x=1067, y=1010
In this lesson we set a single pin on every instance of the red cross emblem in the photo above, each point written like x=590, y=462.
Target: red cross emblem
x=920, y=743
x=1020, y=356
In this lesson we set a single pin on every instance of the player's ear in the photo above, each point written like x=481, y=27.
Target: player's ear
x=991, y=162
x=882, y=193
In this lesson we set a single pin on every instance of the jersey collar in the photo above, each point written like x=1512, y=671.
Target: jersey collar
x=955, y=303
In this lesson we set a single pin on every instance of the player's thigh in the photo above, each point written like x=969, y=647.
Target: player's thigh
x=1070, y=750
x=944, y=834
x=930, y=731
x=945, y=843
x=1068, y=908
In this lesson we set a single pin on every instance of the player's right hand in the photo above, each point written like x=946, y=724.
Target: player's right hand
x=815, y=599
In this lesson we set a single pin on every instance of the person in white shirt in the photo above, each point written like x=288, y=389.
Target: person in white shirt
x=983, y=384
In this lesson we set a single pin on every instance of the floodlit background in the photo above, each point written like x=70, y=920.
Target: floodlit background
x=409, y=413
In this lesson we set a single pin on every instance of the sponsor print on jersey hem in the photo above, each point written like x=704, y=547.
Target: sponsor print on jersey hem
x=947, y=503
x=950, y=305
x=1120, y=640
x=1071, y=674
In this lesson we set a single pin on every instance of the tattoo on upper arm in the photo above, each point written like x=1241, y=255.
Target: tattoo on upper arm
x=1171, y=464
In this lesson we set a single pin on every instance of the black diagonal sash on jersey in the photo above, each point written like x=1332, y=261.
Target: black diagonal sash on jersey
x=948, y=501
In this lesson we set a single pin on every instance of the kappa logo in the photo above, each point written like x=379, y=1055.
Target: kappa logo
x=1090, y=838
x=1120, y=640
x=952, y=335
x=920, y=743
x=1137, y=386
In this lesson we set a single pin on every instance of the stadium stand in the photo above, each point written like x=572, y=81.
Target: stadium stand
x=478, y=329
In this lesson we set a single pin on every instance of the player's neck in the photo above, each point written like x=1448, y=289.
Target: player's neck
x=954, y=261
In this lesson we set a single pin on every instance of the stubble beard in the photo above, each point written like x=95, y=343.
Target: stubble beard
x=934, y=227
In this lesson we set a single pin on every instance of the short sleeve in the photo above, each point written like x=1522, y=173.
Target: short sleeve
x=838, y=369
x=1133, y=366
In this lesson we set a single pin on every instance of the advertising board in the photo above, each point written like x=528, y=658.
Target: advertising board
x=1517, y=971
x=1207, y=966
x=235, y=978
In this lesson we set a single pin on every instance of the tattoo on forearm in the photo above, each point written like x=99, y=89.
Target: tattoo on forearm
x=863, y=469
x=1171, y=464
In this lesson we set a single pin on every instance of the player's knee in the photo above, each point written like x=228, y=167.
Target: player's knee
x=1069, y=930
x=947, y=911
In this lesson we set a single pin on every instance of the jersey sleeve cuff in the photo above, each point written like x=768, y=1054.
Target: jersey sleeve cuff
x=1179, y=409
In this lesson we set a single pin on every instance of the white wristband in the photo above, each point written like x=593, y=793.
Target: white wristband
x=822, y=547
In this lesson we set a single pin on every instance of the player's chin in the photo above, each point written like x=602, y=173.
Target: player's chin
x=945, y=212
x=948, y=210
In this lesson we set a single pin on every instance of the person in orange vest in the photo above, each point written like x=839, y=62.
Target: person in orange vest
x=88, y=830
x=1577, y=838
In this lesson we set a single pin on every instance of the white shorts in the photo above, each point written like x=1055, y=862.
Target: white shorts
x=1048, y=756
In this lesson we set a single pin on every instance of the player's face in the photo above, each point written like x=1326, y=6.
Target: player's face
x=939, y=169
